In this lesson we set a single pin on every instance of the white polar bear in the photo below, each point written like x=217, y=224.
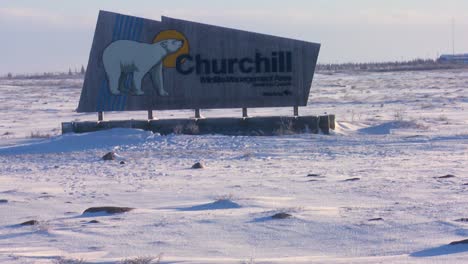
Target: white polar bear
x=131, y=56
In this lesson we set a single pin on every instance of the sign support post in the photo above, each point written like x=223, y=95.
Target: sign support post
x=244, y=112
x=296, y=111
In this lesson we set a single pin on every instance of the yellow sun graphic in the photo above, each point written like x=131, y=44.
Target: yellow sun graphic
x=170, y=60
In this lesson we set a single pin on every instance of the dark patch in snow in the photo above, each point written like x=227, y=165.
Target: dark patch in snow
x=415, y=136
x=3, y=201
x=94, y=222
x=462, y=220
x=109, y=156
x=107, y=210
x=30, y=222
x=376, y=219
x=277, y=216
x=446, y=176
x=281, y=216
x=198, y=165
x=45, y=196
x=352, y=179
x=464, y=241
x=314, y=175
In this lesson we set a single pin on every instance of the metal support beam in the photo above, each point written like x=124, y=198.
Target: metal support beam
x=197, y=113
x=100, y=116
x=296, y=110
x=150, y=114
x=244, y=112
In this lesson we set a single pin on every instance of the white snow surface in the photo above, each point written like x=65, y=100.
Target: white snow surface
x=396, y=132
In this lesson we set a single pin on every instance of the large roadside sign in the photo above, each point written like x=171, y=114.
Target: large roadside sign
x=142, y=64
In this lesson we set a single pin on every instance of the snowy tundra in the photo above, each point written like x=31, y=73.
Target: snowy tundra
x=390, y=185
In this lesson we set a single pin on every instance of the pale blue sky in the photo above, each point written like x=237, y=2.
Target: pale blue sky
x=53, y=35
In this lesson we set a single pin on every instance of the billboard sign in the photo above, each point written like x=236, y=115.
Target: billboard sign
x=142, y=64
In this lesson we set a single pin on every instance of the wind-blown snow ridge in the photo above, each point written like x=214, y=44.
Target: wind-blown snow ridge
x=387, y=127
x=79, y=142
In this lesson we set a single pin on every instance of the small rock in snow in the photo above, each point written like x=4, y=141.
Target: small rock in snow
x=94, y=222
x=122, y=162
x=3, y=201
x=352, y=179
x=108, y=209
x=198, y=165
x=281, y=216
x=446, y=176
x=376, y=219
x=30, y=222
x=465, y=241
x=109, y=156
x=462, y=220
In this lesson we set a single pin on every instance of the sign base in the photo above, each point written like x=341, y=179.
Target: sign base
x=252, y=126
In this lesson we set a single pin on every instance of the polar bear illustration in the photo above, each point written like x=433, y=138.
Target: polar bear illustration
x=125, y=56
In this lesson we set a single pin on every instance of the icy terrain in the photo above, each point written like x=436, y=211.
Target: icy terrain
x=369, y=193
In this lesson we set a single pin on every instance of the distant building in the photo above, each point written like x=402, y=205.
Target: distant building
x=456, y=58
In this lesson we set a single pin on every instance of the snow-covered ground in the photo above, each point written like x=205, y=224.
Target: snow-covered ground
x=396, y=134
